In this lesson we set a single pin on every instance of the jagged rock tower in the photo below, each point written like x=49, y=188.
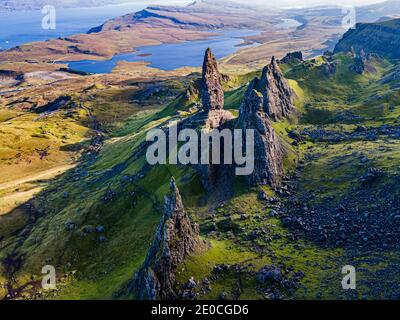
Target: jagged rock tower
x=212, y=93
x=176, y=237
x=215, y=117
x=268, y=98
x=268, y=153
x=277, y=94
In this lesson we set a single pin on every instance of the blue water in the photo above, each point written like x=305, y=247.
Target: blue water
x=19, y=27
x=172, y=56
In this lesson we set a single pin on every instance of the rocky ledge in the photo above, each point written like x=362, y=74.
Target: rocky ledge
x=292, y=57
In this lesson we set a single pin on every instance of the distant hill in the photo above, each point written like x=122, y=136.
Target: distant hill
x=201, y=14
x=382, y=38
x=375, y=12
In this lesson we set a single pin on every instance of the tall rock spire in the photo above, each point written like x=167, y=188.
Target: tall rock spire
x=277, y=94
x=215, y=117
x=268, y=153
x=212, y=93
x=176, y=237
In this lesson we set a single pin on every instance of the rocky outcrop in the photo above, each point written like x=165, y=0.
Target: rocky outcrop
x=363, y=62
x=214, y=117
x=268, y=152
x=60, y=102
x=211, y=91
x=267, y=98
x=358, y=65
x=176, y=237
x=276, y=92
x=216, y=176
x=293, y=57
x=382, y=38
x=217, y=118
x=328, y=68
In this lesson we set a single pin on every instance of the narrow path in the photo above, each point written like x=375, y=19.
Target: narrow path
x=47, y=174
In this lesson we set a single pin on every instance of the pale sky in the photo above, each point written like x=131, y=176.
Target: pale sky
x=283, y=3
x=305, y=3
x=279, y=3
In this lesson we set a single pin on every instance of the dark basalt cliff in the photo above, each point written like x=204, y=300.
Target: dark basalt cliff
x=176, y=238
x=382, y=38
x=268, y=154
x=212, y=93
x=276, y=92
x=292, y=57
x=362, y=61
x=214, y=117
x=269, y=98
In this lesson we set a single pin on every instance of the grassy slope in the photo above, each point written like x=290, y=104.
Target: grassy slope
x=320, y=98
x=336, y=169
x=129, y=217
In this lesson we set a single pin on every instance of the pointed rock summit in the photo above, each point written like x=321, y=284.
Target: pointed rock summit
x=176, y=237
x=213, y=117
x=268, y=153
x=212, y=93
x=267, y=98
x=277, y=94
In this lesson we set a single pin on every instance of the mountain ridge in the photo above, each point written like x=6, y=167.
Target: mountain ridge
x=380, y=38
